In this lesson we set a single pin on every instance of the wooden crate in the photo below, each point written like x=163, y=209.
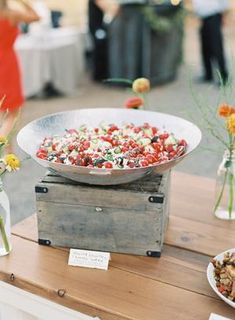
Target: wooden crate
x=128, y=218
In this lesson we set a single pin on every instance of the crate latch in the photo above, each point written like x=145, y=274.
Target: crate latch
x=41, y=189
x=44, y=242
x=157, y=199
x=156, y=254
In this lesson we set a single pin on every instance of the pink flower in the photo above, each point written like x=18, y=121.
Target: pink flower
x=134, y=103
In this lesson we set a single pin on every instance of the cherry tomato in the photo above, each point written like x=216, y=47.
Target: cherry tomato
x=71, y=147
x=141, y=148
x=137, y=129
x=154, y=130
x=86, y=145
x=124, y=149
x=131, y=165
x=108, y=165
x=115, y=143
x=164, y=136
x=172, y=154
x=182, y=142
x=157, y=146
x=42, y=150
x=133, y=155
x=113, y=128
x=144, y=163
x=42, y=153
x=72, y=160
x=169, y=148
x=151, y=159
x=82, y=162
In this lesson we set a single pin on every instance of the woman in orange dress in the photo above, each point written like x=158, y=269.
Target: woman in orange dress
x=11, y=93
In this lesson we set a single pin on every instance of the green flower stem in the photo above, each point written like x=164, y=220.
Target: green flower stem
x=145, y=99
x=222, y=190
x=231, y=177
x=4, y=236
x=231, y=196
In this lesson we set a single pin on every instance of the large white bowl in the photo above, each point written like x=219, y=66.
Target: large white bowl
x=211, y=278
x=31, y=136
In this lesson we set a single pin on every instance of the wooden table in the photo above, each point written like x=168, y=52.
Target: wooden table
x=134, y=287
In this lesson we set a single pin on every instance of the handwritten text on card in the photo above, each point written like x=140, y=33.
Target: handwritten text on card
x=89, y=259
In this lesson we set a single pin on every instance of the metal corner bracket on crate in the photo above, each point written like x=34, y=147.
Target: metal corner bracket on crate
x=129, y=218
x=44, y=242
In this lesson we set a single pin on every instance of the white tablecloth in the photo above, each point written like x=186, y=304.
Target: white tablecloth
x=54, y=56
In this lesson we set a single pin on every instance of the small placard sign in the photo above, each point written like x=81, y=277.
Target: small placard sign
x=214, y=316
x=89, y=259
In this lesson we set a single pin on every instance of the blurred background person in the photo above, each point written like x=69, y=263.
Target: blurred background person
x=211, y=13
x=99, y=40
x=100, y=13
x=10, y=79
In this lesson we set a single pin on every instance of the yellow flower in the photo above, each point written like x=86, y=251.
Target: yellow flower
x=3, y=140
x=231, y=124
x=12, y=162
x=141, y=85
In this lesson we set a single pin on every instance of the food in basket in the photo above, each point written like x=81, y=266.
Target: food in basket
x=111, y=146
x=224, y=273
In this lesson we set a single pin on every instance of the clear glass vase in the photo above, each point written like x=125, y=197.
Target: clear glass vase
x=224, y=207
x=5, y=223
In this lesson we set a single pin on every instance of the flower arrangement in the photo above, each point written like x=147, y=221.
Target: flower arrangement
x=220, y=123
x=140, y=87
x=227, y=112
x=9, y=162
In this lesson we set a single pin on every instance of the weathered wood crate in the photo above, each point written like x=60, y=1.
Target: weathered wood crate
x=128, y=218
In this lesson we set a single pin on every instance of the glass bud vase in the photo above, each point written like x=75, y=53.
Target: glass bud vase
x=5, y=223
x=224, y=207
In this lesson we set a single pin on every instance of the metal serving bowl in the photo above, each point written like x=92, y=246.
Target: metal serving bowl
x=31, y=136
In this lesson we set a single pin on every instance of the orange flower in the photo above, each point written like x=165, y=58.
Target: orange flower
x=225, y=110
x=231, y=123
x=141, y=85
x=134, y=103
